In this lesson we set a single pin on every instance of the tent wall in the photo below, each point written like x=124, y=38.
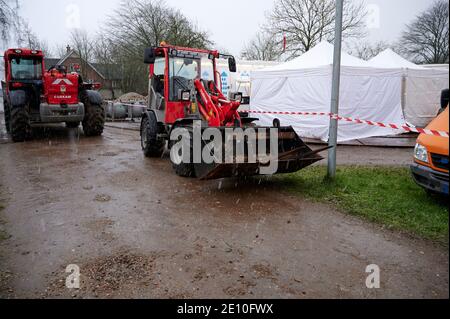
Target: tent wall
x=422, y=95
x=366, y=93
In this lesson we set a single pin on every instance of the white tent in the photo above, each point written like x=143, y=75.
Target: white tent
x=304, y=85
x=320, y=55
x=389, y=59
x=421, y=87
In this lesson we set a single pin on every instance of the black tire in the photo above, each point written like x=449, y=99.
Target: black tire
x=20, y=124
x=444, y=98
x=7, y=114
x=94, y=119
x=72, y=124
x=152, y=146
x=184, y=169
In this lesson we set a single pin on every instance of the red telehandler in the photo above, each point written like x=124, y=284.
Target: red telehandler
x=32, y=94
x=184, y=89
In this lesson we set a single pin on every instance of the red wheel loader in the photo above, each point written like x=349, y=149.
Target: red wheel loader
x=32, y=94
x=184, y=94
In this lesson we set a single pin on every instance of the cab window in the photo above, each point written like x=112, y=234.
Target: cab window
x=26, y=69
x=181, y=71
x=158, y=75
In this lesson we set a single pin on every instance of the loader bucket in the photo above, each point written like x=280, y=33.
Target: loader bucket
x=293, y=155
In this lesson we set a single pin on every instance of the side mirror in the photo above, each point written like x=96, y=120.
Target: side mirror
x=149, y=56
x=232, y=64
x=444, y=99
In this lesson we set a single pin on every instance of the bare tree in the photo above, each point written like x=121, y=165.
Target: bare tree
x=305, y=23
x=138, y=24
x=264, y=47
x=366, y=50
x=27, y=38
x=9, y=19
x=84, y=49
x=104, y=52
x=60, y=50
x=16, y=29
x=426, y=38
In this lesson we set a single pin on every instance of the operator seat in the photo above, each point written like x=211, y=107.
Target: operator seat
x=177, y=83
x=158, y=87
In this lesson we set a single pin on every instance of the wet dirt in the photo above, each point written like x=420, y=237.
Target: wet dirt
x=137, y=230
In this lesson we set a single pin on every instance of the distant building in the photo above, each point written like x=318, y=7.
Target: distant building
x=107, y=75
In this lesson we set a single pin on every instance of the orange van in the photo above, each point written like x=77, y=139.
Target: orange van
x=431, y=159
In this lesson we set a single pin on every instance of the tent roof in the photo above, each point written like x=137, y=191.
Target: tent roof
x=390, y=59
x=319, y=56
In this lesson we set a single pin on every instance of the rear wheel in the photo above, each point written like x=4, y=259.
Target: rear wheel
x=94, y=119
x=72, y=124
x=20, y=124
x=150, y=143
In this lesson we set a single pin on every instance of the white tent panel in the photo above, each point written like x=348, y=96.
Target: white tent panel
x=306, y=91
x=366, y=93
x=304, y=85
x=422, y=86
x=422, y=95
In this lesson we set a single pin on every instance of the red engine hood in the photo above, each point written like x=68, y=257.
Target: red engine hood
x=60, y=88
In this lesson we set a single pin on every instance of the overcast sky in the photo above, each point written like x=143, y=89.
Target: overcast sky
x=231, y=23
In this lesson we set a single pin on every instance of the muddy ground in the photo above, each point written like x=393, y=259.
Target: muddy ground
x=137, y=230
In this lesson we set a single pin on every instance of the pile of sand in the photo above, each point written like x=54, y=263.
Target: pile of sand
x=131, y=97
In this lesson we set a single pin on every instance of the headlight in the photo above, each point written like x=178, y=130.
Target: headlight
x=421, y=153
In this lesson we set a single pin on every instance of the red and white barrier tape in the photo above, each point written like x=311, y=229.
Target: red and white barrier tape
x=405, y=128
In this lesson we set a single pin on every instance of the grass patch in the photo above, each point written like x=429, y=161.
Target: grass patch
x=384, y=195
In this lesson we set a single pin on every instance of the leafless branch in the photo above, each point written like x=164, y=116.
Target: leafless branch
x=426, y=38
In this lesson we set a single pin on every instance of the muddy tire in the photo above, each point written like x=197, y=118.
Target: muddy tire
x=72, y=124
x=7, y=115
x=94, y=119
x=183, y=169
x=20, y=124
x=151, y=145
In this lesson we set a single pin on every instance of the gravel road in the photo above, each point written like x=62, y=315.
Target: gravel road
x=137, y=230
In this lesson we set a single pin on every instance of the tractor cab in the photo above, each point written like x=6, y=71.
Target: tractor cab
x=175, y=73
x=23, y=68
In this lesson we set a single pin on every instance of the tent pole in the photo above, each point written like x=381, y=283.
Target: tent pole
x=332, y=141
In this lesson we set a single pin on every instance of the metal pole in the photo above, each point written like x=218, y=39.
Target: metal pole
x=332, y=141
